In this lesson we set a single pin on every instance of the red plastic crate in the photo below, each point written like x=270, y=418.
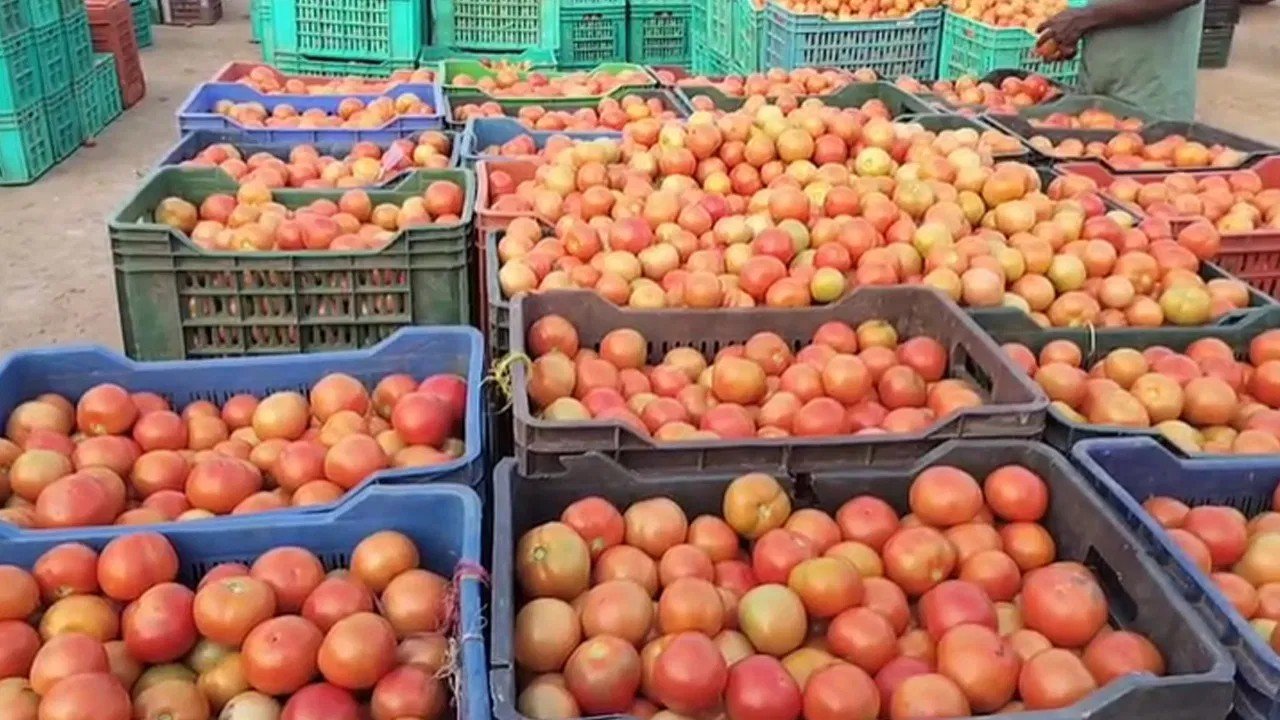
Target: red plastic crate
x=111, y=25
x=1253, y=257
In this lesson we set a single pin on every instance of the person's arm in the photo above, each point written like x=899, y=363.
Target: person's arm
x=1067, y=27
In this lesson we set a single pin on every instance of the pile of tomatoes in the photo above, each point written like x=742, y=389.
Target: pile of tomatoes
x=115, y=457
x=519, y=83
x=1241, y=557
x=352, y=113
x=608, y=114
x=112, y=635
x=1202, y=399
x=1235, y=202
x=269, y=81
x=859, y=381
x=958, y=608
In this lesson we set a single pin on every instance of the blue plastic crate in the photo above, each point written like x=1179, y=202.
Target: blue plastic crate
x=444, y=521
x=1126, y=472
x=418, y=351
x=902, y=46
x=198, y=113
x=481, y=133
x=190, y=145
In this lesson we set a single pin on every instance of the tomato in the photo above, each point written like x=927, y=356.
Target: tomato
x=773, y=619
x=1115, y=654
x=357, y=651
x=130, y=564
x=223, y=570
x=714, y=537
x=953, y=603
x=292, y=572
x=888, y=600
x=416, y=601
x=618, y=607
x=1221, y=529
x=603, y=675
x=218, y=483
x=126, y=669
x=918, y=558
x=379, y=558
x=943, y=496
x=685, y=560
x=553, y=561
x=19, y=643
x=159, y=626
x=918, y=644
x=895, y=672
x=597, y=521
x=321, y=701
x=546, y=631
x=993, y=571
x=336, y=598
x=867, y=520
x=64, y=656
x=1064, y=603
x=754, y=504
x=429, y=651
x=250, y=705
x=655, y=525
x=690, y=674
x=863, y=637
x=91, y=615
x=928, y=696
x=19, y=593
x=776, y=553
x=815, y=526
x=1015, y=494
x=1029, y=544
x=981, y=663
x=221, y=682
x=279, y=655
x=841, y=692
x=760, y=688
x=547, y=700
x=19, y=701
x=409, y=692
x=226, y=610
x=1053, y=679
x=690, y=604
x=87, y=696
x=157, y=674
x=826, y=586
x=171, y=700
x=66, y=569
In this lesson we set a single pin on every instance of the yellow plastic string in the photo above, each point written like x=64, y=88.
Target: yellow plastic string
x=501, y=375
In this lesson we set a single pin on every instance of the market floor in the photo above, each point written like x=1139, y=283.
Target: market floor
x=56, y=283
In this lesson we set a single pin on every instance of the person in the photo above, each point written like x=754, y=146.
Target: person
x=1143, y=52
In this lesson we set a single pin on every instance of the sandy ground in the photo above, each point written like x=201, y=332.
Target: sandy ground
x=56, y=283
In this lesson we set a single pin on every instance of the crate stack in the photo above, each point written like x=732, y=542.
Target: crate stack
x=111, y=26
x=368, y=38
x=523, y=30
x=1220, y=17
x=659, y=32
x=142, y=23
x=592, y=32
x=973, y=47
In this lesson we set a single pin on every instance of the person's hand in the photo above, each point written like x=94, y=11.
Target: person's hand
x=1060, y=34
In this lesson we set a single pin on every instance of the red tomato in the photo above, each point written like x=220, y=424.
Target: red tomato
x=953, y=603
x=867, y=520
x=1064, y=603
x=292, y=573
x=1016, y=494
x=159, y=626
x=863, y=637
x=68, y=569
x=321, y=701
x=1053, y=679
x=690, y=674
x=841, y=692
x=279, y=655
x=981, y=663
x=358, y=651
x=226, y=610
x=603, y=675
x=760, y=688
x=64, y=656
x=130, y=564
x=19, y=643
x=87, y=696
x=407, y=692
x=776, y=553
x=335, y=599
x=597, y=521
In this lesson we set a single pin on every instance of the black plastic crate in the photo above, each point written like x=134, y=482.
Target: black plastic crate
x=1141, y=597
x=1215, y=45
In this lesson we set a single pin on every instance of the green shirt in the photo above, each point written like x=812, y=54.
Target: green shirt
x=1152, y=66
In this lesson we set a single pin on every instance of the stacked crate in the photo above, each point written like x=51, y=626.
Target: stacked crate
x=369, y=38
x=111, y=25
x=1219, y=28
x=497, y=29
x=592, y=32
x=142, y=22
x=660, y=32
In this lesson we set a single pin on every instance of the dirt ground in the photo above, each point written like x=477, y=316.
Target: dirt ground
x=56, y=283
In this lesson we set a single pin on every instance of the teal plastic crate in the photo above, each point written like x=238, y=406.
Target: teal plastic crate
x=52, y=61
x=594, y=36
x=98, y=95
x=970, y=47
x=19, y=80
x=13, y=18
x=719, y=25
x=748, y=38
x=25, y=150
x=894, y=47
x=63, y=115
x=142, y=23
x=373, y=30
x=293, y=64
x=41, y=13
x=502, y=25
x=659, y=32
x=78, y=42
x=255, y=20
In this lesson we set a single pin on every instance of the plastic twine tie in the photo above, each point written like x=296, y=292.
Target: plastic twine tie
x=501, y=376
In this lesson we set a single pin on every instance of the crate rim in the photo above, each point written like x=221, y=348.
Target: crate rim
x=438, y=102
x=274, y=146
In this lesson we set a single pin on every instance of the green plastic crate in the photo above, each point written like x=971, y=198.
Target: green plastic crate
x=449, y=70
x=13, y=18
x=142, y=23
x=748, y=38
x=970, y=47
x=376, y=30
x=892, y=47
x=503, y=25
x=41, y=13
x=1215, y=46
x=98, y=95
x=659, y=32
x=78, y=42
x=52, y=61
x=63, y=116
x=591, y=37
x=719, y=26
x=538, y=58
x=19, y=79
x=25, y=150
x=177, y=301
x=291, y=64
x=255, y=20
